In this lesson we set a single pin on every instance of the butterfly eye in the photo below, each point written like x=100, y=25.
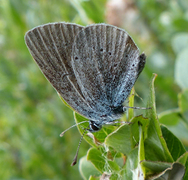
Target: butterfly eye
x=94, y=126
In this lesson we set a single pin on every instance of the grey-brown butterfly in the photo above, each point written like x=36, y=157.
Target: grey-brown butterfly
x=93, y=68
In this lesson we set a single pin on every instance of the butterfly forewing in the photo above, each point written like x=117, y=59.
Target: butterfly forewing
x=51, y=47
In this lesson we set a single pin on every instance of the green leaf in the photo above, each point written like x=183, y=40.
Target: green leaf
x=186, y=172
x=164, y=171
x=131, y=167
x=175, y=172
x=136, y=122
x=120, y=139
x=181, y=67
x=183, y=159
x=173, y=143
x=153, y=167
x=126, y=137
x=170, y=117
x=87, y=169
x=183, y=103
x=97, y=159
x=181, y=131
x=155, y=146
x=101, y=163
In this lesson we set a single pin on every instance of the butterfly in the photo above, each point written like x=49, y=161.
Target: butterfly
x=93, y=68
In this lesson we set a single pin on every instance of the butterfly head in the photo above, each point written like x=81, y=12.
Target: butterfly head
x=94, y=126
x=114, y=114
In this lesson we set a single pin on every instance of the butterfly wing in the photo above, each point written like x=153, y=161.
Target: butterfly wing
x=106, y=63
x=51, y=47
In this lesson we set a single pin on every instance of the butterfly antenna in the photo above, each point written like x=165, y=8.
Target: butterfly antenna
x=76, y=156
x=62, y=134
x=126, y=107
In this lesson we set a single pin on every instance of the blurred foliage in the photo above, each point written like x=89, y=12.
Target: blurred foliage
x=32, y=115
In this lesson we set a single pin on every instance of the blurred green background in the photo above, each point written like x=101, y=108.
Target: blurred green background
x=32, y=115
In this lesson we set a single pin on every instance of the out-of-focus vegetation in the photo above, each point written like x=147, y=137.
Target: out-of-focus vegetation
x=32, y=115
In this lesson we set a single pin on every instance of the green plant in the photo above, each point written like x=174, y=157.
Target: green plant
x=140, y=148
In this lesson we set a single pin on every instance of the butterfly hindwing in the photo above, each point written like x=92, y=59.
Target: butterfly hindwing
x=51, y=47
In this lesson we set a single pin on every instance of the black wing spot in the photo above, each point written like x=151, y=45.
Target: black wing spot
x=101, y=49
x=109, y=53
x=76, y=58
